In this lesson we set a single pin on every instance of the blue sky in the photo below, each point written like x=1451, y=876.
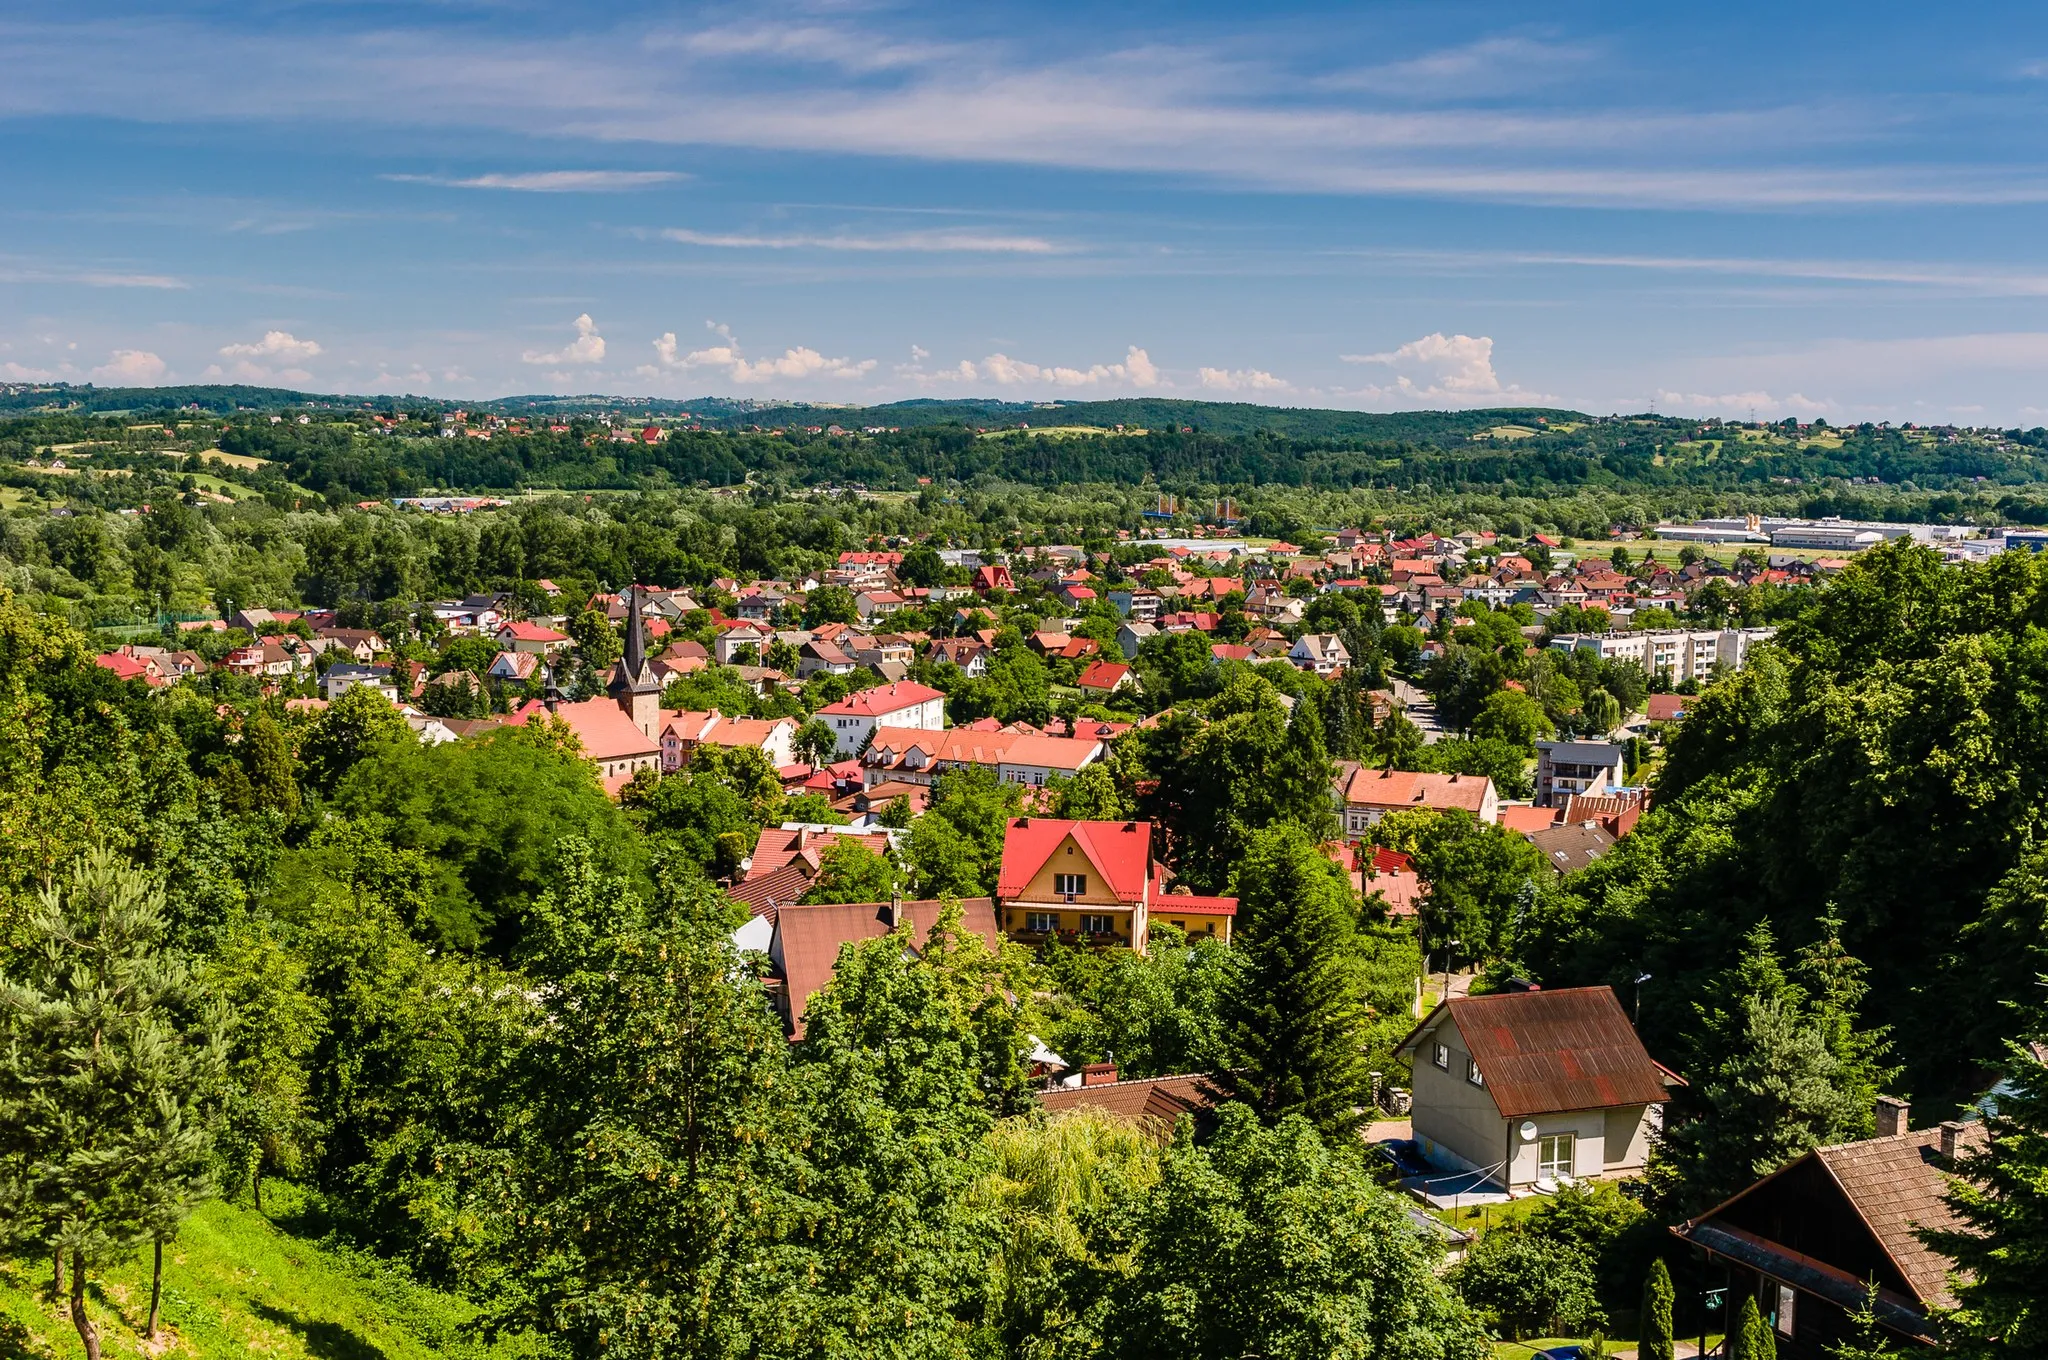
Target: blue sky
x=1822, y=209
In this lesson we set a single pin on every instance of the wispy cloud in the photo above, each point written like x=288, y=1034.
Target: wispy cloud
x=91, y=278
x=1242, y=380
x=966, y=242
x=553, y=181
x=1974, y=279
x=131, y=368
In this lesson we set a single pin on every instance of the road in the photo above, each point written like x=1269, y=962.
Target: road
x=1419, y=710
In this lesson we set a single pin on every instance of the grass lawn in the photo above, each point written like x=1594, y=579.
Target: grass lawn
x=241, y=1284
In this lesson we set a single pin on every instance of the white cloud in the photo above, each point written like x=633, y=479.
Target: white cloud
x=1242, y=380
x=92, y=278
x=1136, y=370
x=14, y=372
x=274, y=345
x=962, y=242
x=1453, y=370
x=130, y=368
x=918, y=354
x=553, y=181
x=586, y=348
x=727, y=357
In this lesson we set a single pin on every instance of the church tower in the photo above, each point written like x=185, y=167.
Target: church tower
x=633, y=686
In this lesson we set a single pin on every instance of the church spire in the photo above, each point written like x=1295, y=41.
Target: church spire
x=633, y=686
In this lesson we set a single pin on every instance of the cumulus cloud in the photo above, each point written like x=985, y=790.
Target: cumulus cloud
x=274, y=345
x=1452, y=370
x=1136, y=370
x=14, y=372
x=727, y=357
x=553, y=181
x=130, y=368
x=586, y=348
x=1242, y=380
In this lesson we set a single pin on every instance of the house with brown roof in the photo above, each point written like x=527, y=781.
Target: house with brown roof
x=806, y=943
x=1532, y=1088
x=1808, y=1239
x=1155, y=1102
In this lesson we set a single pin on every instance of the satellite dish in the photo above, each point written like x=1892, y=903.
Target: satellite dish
x=1528, y=1130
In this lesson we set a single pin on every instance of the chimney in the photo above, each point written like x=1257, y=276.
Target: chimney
x=1951, y=1135
x=1891, y=1116
x=1098, y=1074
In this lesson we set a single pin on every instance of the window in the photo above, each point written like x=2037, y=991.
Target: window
x=1782, y=1315
x=1070, y=885
x=1554, y=1156
x=1443, y=1056
x=1041, y=922
x=1097, y=925
x=1472, y=1073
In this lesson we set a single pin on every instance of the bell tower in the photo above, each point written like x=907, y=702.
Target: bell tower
x=633, y=686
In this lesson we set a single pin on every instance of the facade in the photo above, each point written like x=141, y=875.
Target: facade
x=1093, y=883
x=1565, y=768
x=1323, y=653
x=904, y=704
x=915, y=755
x=345, y=676
x=1534, y=1088
x=1807, y=1240
x=1679, y=654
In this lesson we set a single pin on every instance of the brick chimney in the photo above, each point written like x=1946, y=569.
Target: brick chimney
x=1951, y=1135
x=1891, y=1116
x=1098, y=1074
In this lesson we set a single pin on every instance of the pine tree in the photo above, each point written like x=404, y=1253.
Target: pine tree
x=1751, y=1338
x=2001, y=1196
x=1294, y=1010
x=108, y=1078
x=1867, y=1340
x=1658, y=1296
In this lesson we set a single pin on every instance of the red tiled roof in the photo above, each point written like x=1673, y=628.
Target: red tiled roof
x=1552, y=1051
x=1103, y=675
x=1193, y=904
x=1052, y=753
x=601, y=725
x=1386, y=861
x=531, y=632
x=1523, y=820
x=869, y=703
x=1415, y=788
x=1120, y=851
x=776, y=847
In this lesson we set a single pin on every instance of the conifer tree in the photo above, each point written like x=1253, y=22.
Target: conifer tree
x=109, y=1076
x=1750, y=1338
x=1294, y=1010
x=1658, y=1296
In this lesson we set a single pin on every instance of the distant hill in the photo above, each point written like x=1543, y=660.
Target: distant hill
x=1152, y=413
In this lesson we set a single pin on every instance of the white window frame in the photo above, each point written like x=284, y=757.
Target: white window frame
x=1098, y=923
x=1785, y=1316
x=1472, y=1072
x=1042, y=922
x=1554, y=1150
x=1070, y=885
x=1442, y=1056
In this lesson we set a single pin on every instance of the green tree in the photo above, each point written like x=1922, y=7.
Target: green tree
x=1154, y=1014
x=1599, y=713
x=1658, y=1297
x=597, y=641
x=1750, y=1338
x=1512, y=717
x=1527, y=1284
x=273, y=1028
x=1293, y=1009
x=829, y=604
x=1091, y=795
x=1867, y=1339
x=1269, y=1242
x=815, y=743
x=109, y=1078
x=353, y=725
x=2000, y=1197
x=850, y=872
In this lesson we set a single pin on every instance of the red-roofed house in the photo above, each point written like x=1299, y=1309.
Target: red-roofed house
x=1093, y=882
x=530, y=637
x=992, y=578
x=1104, y=678
x=611, y=740
x=127, y=668
x=1533, y=1088
x=903, y=704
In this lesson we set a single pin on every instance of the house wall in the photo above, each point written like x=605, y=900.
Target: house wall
x=1192, y=926
x=1589, y=1154
x=1038, y=896
x=1455, y=1123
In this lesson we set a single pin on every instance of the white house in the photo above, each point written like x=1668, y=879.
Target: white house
x=1320, y=652
x=903, y=704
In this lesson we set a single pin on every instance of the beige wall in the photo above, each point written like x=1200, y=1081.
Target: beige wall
x=1455, y=1122
x=1068, y=859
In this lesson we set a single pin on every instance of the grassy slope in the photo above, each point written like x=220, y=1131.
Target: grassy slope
x=237, y=1283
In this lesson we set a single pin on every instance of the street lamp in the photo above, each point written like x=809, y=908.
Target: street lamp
x=1710, y=1302
x=1449, y=945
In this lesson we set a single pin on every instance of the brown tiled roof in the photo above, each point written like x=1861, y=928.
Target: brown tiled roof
x=1571, y=846
x=1153, y=1098
x=763, y=893
x=1897, y=1185
x=1547, y=1052
x=809, y=939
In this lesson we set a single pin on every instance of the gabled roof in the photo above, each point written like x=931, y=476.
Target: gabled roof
x=777, y=846
x=1548, y=1052
x=1119, y=851
x=1164, y=1099
x=809, y=938
x=1103, y=675
x=1052, y=753
x=601, y=725
x=531, y=632
x=869, y=703
x=1367, y=787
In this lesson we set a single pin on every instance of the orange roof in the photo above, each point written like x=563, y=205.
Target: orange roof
x=1052, y=753
x=1120, y=851
x=777, y=847
x=811, y=937
x=601, y=725
x=1523, y=820
x=1103, y=675
x=1416, y=788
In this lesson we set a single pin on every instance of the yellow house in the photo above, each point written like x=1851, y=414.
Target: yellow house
x=1093, y=883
